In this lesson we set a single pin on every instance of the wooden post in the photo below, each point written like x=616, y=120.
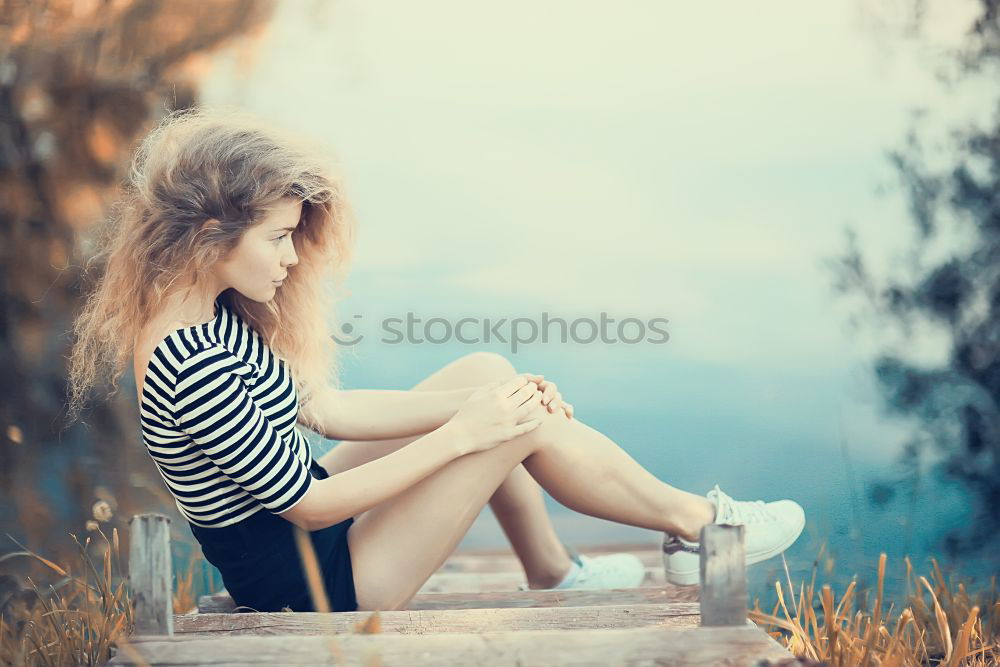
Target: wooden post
x=723, y=576
x=150, y=574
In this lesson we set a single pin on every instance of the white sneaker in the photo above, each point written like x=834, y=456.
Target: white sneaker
x=622, y=570
x=769, y=529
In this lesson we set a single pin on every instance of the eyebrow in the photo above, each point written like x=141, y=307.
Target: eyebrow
x=286, y=229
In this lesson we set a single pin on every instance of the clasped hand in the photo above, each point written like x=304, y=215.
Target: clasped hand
x=551, y=396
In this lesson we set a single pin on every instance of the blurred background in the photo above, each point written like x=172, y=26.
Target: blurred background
x=806, y=192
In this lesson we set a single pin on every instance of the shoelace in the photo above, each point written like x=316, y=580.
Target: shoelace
x=751, y=511
x=740, y=511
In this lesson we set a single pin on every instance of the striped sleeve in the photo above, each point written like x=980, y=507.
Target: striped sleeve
x=213, y=407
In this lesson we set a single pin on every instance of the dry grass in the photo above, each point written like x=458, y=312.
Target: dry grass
x=940, y=624
x=76, y=619
x=185, y=599
x=73, y=621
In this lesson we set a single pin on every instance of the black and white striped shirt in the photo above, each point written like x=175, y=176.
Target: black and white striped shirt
x=217, y=416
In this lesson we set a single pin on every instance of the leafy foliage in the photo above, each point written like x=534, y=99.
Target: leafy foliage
x=956, y=404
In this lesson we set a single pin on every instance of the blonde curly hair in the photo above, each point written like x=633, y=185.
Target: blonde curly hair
x=227, y=168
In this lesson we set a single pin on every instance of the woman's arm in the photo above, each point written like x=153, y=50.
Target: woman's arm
x=348, y=493
x=381, y=414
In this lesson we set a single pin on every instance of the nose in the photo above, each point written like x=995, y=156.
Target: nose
x=290, y=259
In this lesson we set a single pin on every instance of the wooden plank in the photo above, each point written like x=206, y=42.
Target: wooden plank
x=729, y=646
x=508, y=597
x=679, y=614
x=723, y=576
x=150, y=574
x=570, y=598
x=464, y=562
x=222, y=603
x=481, y=582
x=589, y=549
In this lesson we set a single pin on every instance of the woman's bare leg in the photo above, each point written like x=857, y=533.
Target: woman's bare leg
x=517, y=503
x=398, y=544
x=609, y=484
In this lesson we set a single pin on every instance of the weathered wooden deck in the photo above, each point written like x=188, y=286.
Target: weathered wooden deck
x=470, y=612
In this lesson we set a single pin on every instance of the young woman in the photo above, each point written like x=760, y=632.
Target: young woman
x=218, y=268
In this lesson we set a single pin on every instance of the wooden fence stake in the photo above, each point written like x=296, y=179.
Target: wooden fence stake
x=150, y=574
x=723, y=576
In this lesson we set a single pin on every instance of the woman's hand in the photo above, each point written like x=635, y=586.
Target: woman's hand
x=551, y=398
x=495, y=413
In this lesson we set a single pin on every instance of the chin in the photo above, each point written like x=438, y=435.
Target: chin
x=260, y=297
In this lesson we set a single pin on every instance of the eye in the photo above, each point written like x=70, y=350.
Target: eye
x=282, y=236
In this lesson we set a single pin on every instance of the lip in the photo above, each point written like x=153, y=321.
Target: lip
x=277, y=282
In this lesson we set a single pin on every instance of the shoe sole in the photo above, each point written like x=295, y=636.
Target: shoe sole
x=689, y=577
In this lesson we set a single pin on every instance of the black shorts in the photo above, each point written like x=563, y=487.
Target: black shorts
x=261, y=567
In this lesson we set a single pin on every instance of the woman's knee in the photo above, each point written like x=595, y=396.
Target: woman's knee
x=475, y=368
x=488, y=365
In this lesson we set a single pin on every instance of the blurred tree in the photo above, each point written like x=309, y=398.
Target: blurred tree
x=956, y=404
x=80, y=82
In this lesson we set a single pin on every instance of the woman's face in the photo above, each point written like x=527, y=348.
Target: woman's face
x=262, y=257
